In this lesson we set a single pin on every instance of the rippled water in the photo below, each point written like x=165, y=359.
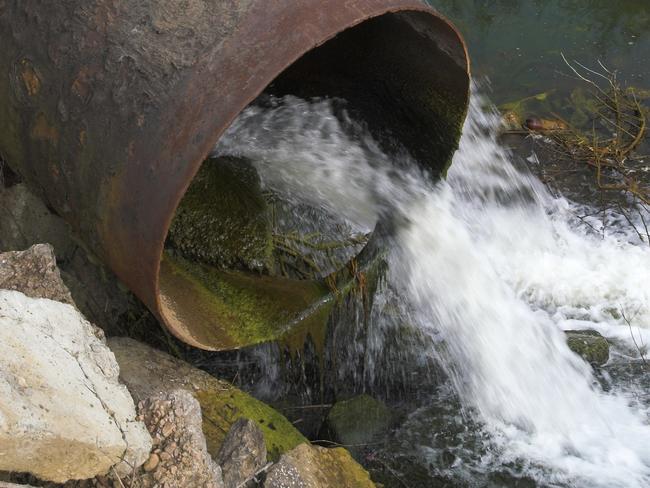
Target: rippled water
x=490, y=268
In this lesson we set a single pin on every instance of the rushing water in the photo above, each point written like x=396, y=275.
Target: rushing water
x=491, y=268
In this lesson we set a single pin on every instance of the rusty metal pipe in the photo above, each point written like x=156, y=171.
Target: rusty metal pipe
x=109, y=107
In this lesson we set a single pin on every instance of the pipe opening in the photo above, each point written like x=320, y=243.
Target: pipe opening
x=233, y=272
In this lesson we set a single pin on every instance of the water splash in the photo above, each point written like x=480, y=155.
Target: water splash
x=491, y=267
x=494, y=264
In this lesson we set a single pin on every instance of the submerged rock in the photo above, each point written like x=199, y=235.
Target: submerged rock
x=317, y=467
x=242, y=453
x=357, y=420
x=63, y=414
x=589, y=344
x=147, y=371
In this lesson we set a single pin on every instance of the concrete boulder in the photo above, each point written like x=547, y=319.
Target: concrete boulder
x=63, y=414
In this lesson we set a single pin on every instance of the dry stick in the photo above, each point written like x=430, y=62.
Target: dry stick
x=637, y=140
x=254, y=476
x=303, y=407
x=604, y=67
x=337, y=444
x=582, y=219
x=612, y=148
x=392, y=472
x=587, y=80
x=616, y=126
x=629, y=221
x=608, y=79
x=645, y=225
x=117, y=477
x=632, y=334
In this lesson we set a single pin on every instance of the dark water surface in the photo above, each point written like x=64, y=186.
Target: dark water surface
x=517, y=44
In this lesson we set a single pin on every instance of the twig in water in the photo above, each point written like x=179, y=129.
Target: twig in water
x=629, y=324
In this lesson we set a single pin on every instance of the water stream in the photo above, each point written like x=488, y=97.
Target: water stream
x=490, y=268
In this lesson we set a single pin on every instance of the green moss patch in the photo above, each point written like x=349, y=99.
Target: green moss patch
x=357, y=420
x=222, y=219
x=237, y=308
x=222, y=409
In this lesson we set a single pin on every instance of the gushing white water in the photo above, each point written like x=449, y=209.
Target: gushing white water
x=493, y=267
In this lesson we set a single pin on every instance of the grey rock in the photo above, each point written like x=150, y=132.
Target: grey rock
x=25, y=220
x=284, y=475
x=242, y=454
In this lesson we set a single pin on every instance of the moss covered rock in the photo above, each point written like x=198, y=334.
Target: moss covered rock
x=146, y=371
x=357, y=420
x=222, y=218
x=589, y=344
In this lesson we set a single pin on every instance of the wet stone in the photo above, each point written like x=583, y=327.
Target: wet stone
x=357, y=420
x=590, y=345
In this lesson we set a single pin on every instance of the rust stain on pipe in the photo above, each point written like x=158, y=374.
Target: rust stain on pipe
x=108, y=108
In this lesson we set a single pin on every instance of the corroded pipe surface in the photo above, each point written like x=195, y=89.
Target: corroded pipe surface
x=109, y=107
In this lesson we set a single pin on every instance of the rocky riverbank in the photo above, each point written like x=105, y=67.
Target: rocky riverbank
x=78, y=410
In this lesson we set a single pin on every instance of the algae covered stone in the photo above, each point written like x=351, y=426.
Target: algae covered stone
x=222, y=218
x=357, y=420
x=589, y=344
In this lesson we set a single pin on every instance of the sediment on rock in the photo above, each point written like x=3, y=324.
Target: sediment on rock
x=317, y=467
x=179, y=456
x=34, y=272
